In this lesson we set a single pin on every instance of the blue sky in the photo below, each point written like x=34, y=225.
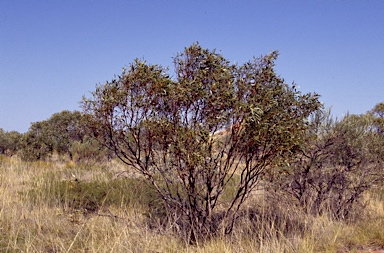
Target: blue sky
x=54, y=52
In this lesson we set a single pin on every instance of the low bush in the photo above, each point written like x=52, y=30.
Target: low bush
x=341, y=162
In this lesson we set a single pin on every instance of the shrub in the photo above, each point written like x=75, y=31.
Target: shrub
x=9, y=142
x=341, y=161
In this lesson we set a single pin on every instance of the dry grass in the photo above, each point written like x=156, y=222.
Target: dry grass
x=34, y=217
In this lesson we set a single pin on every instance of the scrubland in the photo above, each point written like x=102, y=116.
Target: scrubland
x=60, y=206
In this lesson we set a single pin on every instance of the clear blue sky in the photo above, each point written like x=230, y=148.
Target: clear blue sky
x=53, y=52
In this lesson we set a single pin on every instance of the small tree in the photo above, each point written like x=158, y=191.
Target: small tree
x=9, y=142
x=342, y=159
x=191, y=135
x=57, y=133
x=64, y=128
x=35, y=143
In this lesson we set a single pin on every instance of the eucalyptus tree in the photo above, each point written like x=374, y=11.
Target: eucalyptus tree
x=192, y=134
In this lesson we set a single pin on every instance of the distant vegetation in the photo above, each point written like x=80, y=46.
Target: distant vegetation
x=64, y=134
x=217, y=153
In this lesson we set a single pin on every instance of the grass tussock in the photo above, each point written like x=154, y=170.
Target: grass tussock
x=60, y=206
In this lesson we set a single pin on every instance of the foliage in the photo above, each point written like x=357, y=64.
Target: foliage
x=342, y=160
x=55, y=134
x=35, y=144
x=9, y=142
x=64, y=128
x=168, y=130
x=378, y=113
